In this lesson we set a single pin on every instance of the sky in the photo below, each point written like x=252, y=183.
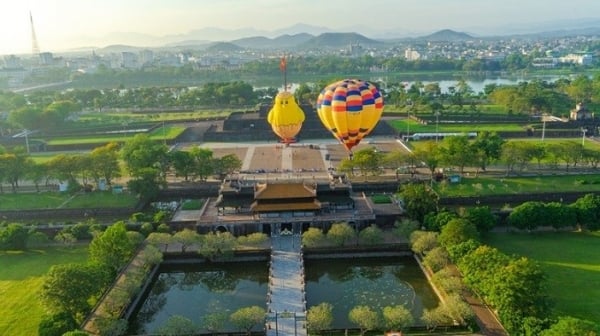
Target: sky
x=68, y=24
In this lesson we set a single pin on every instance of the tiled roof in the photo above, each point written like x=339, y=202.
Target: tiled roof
x=283, y=190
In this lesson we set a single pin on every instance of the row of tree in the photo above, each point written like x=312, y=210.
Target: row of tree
x=147, y=162
x=515, y=287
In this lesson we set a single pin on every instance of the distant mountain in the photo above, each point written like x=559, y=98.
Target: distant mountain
x=446, y=35
x=224, y=47
x=301, y=28
x=117, y=48
x=281, y=42
x=328, y=40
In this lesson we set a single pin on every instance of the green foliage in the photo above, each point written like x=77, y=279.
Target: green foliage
x=528, y=215
x=57, y=324
x=457, y=231
x=371, y=235
x=397, y=318
x=248, y=317
x=365, y=318
x=217, y=244
x=457, y=251
x=76, y=333
x=340, y=234
x=69, y=288
x=214, y=322
x=588, y=211
x=419, y=200
x=381, y=199
x=13, y=237
x=436, y=221
x=253, y=239
x=422, y=242
x=405, y=227
x=112, y=248
x=313, y=237
x=571, y=326
x=481, y=217
x=319, y=317
x=186, y=238
x=178, y=325
x=163, y=228
x=436, y=259
x=192, y=204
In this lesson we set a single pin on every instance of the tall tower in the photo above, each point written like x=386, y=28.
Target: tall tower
x=35, y=48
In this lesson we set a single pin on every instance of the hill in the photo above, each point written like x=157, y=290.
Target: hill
x=280, y=42
x=447, y=35
x=336, y=40
x=224, y=47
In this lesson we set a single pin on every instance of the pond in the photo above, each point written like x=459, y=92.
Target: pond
x=374, y=282
x=194, y=291
x=197, y=290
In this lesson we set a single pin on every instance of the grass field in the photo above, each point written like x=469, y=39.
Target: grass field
x=518, y=185
x=10, y=201
x=120, y=117
x=416, y=127
x=52, y=200
x=104, y=199
x=168, y=133
x=571, y=262
x=21, y=278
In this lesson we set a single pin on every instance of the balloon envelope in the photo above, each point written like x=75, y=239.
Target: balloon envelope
x=350, y=109
x=286, y=117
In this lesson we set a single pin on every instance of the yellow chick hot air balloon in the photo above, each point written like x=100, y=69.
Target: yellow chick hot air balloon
x=350, y=109
x=286, y=117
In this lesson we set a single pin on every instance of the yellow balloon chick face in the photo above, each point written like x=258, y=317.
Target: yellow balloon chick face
x=285, y=111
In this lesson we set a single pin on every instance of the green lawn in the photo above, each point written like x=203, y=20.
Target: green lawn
x=52, y=200
x=21, y=278
x=104, y=199
x=517, y=185
x=169, y=132
x=47, y=200
x=571, y=261
x=416, y=127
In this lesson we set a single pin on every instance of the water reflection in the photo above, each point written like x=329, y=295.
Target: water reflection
x=375, y=282
x=197, y=291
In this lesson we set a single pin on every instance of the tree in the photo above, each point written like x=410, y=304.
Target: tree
x=341, y=233
x=368, y=161
x=422, y=242
x=248, y=317
x=481, y=217
x=217, y=244
x=313, y=237
x=419, y=200
x=227, y=165
x=397, y=318
x=457, y=231
x=13, y=237
x=186, y=238
x=69, y=287
x=588, y=211
x=430, y=154
x=436, y=317
x=457, y=151
x=56, y=324
x=214, y=322
x=160, y=238
x=105, y=163
x=178, y=325
x=571, y=326
x=183, y=163
x=490, y=145
x=366, y=318
x=528, y=215
x=204, y=162
x=436, y=221
x=405, y=227
x=436, y=259
x=371, y=235
x=112, y=248
x=319, y=317
x=76, y=333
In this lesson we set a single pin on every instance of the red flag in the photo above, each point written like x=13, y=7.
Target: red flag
x=283, y=64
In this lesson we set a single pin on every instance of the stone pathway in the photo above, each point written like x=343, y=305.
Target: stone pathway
x=248, y=158
x=286, y=301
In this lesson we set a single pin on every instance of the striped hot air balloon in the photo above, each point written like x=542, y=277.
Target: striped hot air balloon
x=350, y=109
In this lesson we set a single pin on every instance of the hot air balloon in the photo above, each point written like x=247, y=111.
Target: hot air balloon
x=350, y=109
x=286, y=117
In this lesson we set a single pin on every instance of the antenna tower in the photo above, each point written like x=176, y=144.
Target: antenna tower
x=35, y=48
